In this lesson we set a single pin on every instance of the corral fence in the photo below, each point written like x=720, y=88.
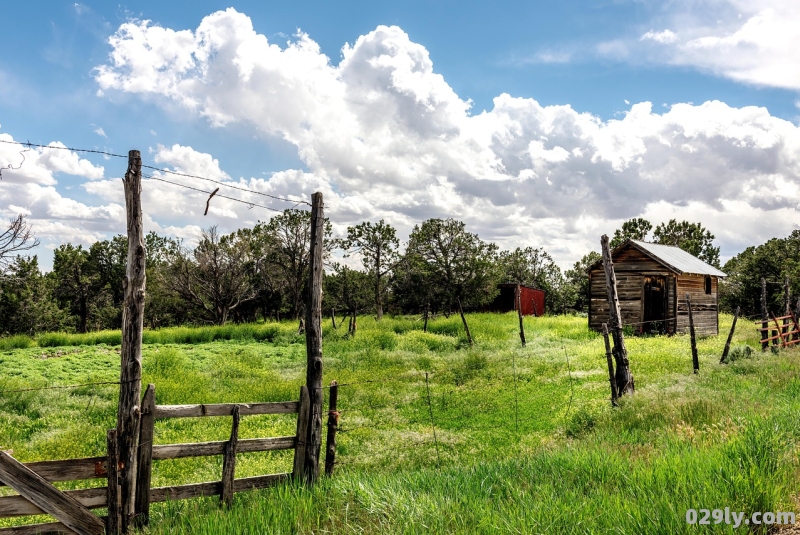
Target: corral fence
x=130, y=449
x=72, y=508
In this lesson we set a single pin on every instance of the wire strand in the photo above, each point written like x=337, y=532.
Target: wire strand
x=248, y=203
x=228, y=185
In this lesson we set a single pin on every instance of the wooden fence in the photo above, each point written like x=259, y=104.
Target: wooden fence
x=784, y=329
x=37, y=495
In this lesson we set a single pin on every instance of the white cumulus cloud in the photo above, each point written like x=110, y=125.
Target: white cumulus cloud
x=382, y=134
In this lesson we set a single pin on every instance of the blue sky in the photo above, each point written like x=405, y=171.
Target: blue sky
x=527, y=120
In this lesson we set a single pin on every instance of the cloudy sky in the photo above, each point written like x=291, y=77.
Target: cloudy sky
x=536, y=124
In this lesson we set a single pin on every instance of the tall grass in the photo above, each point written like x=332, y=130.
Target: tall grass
x=269, y=332
x=526, y=439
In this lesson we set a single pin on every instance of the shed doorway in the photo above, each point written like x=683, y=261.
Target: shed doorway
x=655, y=304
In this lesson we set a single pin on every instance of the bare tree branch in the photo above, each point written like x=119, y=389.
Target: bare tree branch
x=16, y=238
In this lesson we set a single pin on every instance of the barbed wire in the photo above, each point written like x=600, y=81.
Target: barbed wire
x=248, y=203
x=227, y=184
x=30, y=145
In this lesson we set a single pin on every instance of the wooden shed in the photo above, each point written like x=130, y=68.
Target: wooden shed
x=531, y=299
x=652, y=283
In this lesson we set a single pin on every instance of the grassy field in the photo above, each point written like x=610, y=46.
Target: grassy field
x=525, y=438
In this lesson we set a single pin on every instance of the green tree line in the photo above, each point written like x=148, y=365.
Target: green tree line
x=261, y=273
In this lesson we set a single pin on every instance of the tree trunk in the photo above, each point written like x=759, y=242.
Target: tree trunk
x=84, y=313
x=425, y=325
x=333, y=318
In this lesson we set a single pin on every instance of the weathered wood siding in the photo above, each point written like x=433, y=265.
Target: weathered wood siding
x=704, y=306
x=630, y=266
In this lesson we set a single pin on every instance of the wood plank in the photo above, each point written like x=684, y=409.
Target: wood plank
x=20, y=506
x=225, y=409
x=48, y=498
x=37, y=529
x=259, y=482
x=206, y=449
x=68, y=469
x=213, y=488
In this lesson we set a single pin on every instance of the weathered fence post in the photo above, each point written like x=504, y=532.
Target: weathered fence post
x=130, y=375
x=145, y=462
x=623, y=376
x=764, y=318
x=333, y=426
x=730, y=336
x=314, y=340
x=229, y=461
x=112, y=470
x=519, y=313
x=464, y=321
x=610, y=366
x=695, y=360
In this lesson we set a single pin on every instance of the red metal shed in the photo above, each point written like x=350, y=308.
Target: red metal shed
x=532, y=299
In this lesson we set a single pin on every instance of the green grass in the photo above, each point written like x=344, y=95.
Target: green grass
x=526, y=439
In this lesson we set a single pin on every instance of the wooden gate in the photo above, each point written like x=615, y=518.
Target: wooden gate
x=38, y=496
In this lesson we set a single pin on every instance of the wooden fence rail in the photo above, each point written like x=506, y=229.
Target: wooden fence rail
x=228, y=485
x=786, y=332
x=34, y=480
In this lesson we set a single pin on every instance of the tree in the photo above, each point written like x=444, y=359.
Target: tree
x=691, y=237
x=633, y=229
x=774, y=260
x=290, y=237
x=348, y=289
x=214, y=277
x=26, y=300
x=377, y=244
x=163, y=306
x=16, y=238
x=578, y=279
x=75, y=283
x=457, y=261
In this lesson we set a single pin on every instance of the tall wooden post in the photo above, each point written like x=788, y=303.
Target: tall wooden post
x=730, y=336
x=130, y=373
x=623, y=376
x=519, y=313
x=695, y=360
x=314, y=341
x=764, y=316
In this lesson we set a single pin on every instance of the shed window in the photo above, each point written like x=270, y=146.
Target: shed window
x=708, y=285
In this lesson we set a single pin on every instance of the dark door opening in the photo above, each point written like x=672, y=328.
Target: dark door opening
x=655, y=304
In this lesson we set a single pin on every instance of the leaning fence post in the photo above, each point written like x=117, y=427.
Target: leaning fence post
x=624, y=378
x=131, y=351
x=333, y=426
x=145, y=462
x=695, y=360
x=112, y=471
x=314, y=340
x=610, y=366
x=730, y=336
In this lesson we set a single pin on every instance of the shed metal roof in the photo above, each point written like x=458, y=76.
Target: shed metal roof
x=677, y=259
